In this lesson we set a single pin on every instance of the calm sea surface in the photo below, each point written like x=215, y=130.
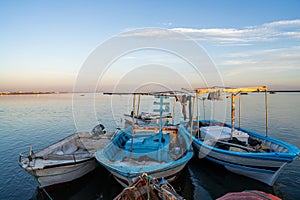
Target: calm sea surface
x=39, y=121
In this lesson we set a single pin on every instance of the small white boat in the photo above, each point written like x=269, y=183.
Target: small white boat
x=241, y=151
x=66, y=160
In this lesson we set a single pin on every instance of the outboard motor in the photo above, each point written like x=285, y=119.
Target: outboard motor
x=98, y=130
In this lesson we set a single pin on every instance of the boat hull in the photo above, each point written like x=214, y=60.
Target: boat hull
x=62, y=174
x=169, y=175
x=65, y=160
x=126, y=161
x=264, y=170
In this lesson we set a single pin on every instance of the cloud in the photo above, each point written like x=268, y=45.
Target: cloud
x=292, y=51
x=267, y=52
x=166, y=23
x=277, y=30
x=283, y=23
x=147, y=32
x=264, y=61
x=267, y=32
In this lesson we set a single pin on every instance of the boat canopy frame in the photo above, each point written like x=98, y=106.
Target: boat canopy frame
x=234, y=93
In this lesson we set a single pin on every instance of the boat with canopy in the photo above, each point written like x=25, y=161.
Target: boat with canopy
x=239, y=150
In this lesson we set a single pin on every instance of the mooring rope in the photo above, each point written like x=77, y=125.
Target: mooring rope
x=44, y=190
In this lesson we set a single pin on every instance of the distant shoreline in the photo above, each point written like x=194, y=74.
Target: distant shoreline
x=275, y=91
x=31, y=93
x=38, y=93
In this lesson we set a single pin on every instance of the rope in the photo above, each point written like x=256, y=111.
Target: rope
x=44, y=190
x=148, y=187
x=48, y=195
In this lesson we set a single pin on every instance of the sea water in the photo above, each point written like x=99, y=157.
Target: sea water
x=38, y=121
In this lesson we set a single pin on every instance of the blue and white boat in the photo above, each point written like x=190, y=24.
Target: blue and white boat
x=239, y=150
x=160, y=151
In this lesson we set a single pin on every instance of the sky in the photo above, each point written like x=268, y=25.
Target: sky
x=44, y=44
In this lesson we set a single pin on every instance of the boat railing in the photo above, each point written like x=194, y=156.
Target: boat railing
x=238, y=146
x=76, y=156
x=26, y=154
x=22, y=156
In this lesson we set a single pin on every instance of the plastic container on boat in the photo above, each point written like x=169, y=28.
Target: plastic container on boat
x=221, y=133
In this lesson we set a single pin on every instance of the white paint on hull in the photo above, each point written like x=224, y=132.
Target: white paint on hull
x=56, y=175
x=239, y=159
x=246, y=166
x=171, y=175
x=268, y=178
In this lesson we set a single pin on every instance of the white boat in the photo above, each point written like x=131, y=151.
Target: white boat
x=160, y=151
x=66, y=160
x=241, y=151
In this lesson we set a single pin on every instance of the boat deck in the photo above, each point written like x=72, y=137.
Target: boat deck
x=147, y=147
x=218, y=135
x=72, y=149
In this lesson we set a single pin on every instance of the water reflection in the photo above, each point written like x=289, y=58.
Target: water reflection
x=215, y=181
x=99, y=184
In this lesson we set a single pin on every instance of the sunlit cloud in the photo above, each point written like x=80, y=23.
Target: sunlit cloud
x=283, y=23
x=268, y=32
x=136, y=33
x=277, y=30
x=288, y=52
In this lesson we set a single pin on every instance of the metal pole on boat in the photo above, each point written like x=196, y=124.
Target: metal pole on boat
x=160, y=118
x=203, y=99
x=160, y=115
x=173, y=114
x=240, y=99
x=232, y=114
x=192, y=113
x=138, y=108
x=266, y=105
x=133, y=113
x=213, y=113
x=197, y=104
x=133, y=109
